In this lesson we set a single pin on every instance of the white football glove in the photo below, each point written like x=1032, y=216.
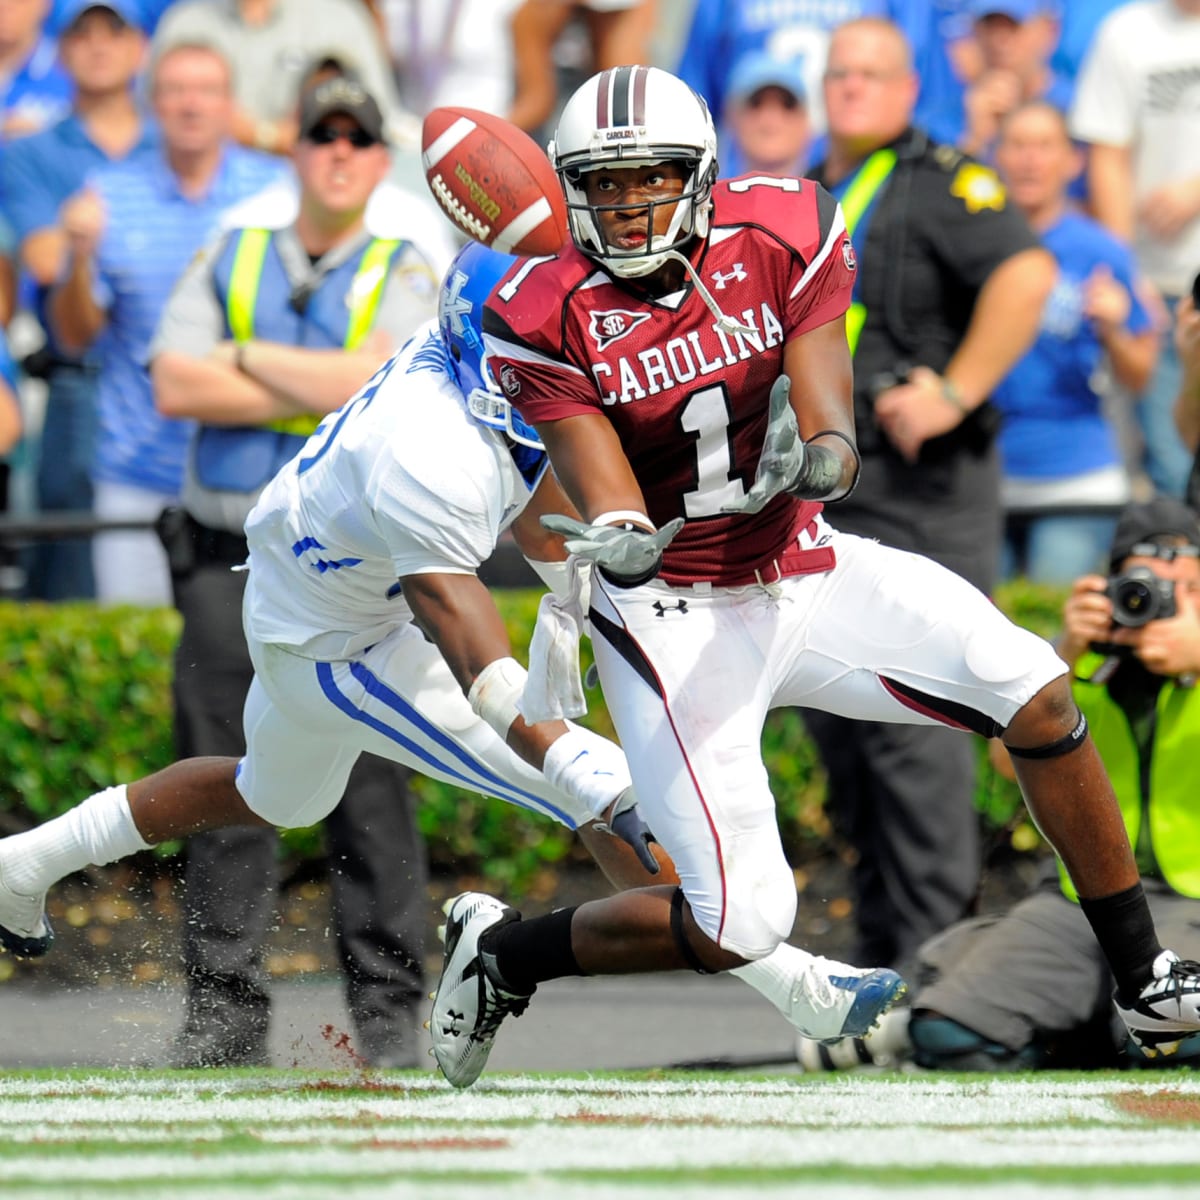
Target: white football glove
x=782, y=457
x=625, y=555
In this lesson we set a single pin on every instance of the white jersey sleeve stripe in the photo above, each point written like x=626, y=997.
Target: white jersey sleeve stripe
x=521, y=352
x=836, y=229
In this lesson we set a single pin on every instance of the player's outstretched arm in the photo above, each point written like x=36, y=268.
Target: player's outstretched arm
x=808, y=446
x=457, y=613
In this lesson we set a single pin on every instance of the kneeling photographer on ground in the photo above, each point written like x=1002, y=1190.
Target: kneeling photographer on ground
x=1028, y=988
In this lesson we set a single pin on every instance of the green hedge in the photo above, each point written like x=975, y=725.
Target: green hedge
x=87, y=703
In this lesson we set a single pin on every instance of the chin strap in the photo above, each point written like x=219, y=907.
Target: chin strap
x=727, y=323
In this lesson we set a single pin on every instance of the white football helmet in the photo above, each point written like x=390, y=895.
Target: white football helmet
x=635, y=116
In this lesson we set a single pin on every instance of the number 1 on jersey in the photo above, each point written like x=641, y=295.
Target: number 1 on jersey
x=707, y=415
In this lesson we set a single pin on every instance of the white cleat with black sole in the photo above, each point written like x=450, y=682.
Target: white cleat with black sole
x=468, y=1006
x=1167, y=1009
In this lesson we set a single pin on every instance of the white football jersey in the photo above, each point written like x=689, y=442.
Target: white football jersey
x=401, y=480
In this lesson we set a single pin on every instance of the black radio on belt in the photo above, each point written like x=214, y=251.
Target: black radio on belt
x=190, y=545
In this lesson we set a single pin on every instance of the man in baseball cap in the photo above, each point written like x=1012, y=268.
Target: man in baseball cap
x=341, y=95
x=125, y=11
x=767, y=116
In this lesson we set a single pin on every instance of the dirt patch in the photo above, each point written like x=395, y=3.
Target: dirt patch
x=1159, y=1107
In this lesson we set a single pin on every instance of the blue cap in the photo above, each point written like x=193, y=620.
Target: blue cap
x=1017, y=10
x=126, y=10
x=759, y=70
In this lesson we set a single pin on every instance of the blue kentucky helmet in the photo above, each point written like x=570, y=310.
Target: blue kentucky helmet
x=472, y=275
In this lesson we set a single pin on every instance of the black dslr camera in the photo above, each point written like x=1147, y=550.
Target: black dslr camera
x=1139, y=596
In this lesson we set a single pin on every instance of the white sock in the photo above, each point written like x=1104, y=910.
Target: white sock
x=100, y=830
x=774, y=976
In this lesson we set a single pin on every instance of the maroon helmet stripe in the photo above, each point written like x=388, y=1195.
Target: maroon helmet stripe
x=640, y=76
x=604, y=100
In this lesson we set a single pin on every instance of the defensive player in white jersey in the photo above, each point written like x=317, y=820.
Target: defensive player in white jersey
x=370, y=630
x=686, y=365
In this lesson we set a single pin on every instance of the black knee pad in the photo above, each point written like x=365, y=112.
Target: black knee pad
x=677, y=932
x=1065, y=744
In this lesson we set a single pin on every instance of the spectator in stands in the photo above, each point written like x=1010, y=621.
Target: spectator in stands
x=10, y=415
x=767, y=118
x=1135, y=107
x=102, y=51
x=458, y=53
x=615, y=33
x=722, y=31
x=149, y=12
x=34, y=89
x=270, y=44
x=1059, y=449
x=1015, y=40
x=130, y=233
x=233, y=338
x=1078, y=22
x=1187, y=401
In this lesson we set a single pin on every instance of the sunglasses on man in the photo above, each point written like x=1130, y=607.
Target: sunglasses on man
x=326, y=135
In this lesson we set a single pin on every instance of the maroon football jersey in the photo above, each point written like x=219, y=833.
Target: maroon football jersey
x=688, y=399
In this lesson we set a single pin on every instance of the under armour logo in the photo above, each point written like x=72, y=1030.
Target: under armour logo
x=453, y=305
x=661, y=609
x=454, y=1017
x=721, y=278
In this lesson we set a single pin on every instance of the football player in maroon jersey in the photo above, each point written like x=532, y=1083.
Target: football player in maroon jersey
x=686, y=365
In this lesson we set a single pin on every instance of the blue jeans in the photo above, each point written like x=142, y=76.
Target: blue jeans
x=1056, y=549
x=1166, y=459
x=62, y=570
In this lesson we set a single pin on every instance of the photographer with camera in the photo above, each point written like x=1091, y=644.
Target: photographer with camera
x=1028, y=988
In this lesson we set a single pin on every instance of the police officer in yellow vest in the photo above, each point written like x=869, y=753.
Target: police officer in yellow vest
x=269, y=329
x=949, y=288
x=1030, y=988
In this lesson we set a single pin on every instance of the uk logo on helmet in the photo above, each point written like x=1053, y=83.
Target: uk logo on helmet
x=612, y=325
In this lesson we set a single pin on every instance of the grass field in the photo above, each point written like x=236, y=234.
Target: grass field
x=342, y=1135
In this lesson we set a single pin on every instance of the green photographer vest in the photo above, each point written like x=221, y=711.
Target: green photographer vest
x=1173, y=804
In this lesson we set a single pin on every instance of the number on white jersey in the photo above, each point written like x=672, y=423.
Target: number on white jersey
x=332, y=423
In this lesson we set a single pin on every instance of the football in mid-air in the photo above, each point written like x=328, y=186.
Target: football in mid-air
x=493, y=181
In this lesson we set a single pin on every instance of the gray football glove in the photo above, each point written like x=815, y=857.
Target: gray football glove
x=782, y=457
x=625, y=821
x=626, y=556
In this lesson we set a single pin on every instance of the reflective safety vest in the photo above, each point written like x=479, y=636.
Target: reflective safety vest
x=871, y=177
x=1169, y=799
x=257, y=297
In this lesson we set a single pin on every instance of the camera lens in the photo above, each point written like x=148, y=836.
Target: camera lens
x=1134, y=603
